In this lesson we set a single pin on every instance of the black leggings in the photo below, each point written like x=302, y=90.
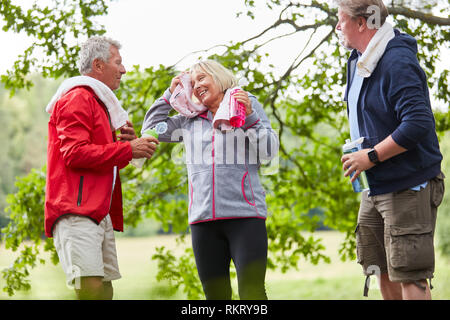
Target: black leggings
x=216, y=243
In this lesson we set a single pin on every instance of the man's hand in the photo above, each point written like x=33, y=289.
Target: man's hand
x=359, y=161
x=143, y=147
x=127, y=132
x=356, y=162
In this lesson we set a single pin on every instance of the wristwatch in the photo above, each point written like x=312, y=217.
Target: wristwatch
x=373, y=156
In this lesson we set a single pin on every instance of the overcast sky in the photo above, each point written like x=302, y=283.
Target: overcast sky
x=160, y=32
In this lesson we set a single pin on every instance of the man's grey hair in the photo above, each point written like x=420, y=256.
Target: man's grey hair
x=364, y=8
x=95, y=48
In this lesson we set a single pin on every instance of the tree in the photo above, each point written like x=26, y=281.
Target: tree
x=53, y=30
x=24, y=128
x=303, y=101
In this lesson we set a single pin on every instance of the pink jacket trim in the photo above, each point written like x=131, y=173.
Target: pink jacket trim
x=204, y=115
x=213, y=181
x=243, y=190
x=192, y=195
x=227, y=218
x=253, y=124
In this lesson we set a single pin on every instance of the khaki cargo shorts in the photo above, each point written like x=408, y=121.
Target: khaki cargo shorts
x=85, y=248
x=395, y=232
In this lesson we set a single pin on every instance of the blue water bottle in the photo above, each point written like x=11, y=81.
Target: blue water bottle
x=360, y=184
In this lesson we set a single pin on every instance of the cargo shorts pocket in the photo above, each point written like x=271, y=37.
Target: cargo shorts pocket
x=370, y=252
x=359, y=258
x=363, y=245
x=437, y=190
x=411, y=247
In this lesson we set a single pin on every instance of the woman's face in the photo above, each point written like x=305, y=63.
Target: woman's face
x=205, y=89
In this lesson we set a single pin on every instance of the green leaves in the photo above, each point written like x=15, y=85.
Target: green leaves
x=26, y=230
x=180, y=272
x=53, y=30
x=303, y=101
x=26, y=210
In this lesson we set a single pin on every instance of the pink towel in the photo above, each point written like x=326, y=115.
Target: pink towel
x=224, y=113
x=181, y=99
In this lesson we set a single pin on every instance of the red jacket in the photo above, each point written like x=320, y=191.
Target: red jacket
x=81, y=155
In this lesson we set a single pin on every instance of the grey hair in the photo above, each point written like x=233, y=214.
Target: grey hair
x=95, y=48
x=223, y=77
x=364, y=8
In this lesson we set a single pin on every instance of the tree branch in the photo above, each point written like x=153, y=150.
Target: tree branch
x=424, y=17
x=196, y=52
x=273, y=26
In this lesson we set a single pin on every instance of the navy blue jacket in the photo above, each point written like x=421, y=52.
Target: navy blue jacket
x=395, y=101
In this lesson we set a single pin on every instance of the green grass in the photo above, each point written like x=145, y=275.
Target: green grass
x=337, y=280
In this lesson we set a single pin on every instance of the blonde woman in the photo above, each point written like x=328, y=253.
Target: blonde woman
x=227, y=207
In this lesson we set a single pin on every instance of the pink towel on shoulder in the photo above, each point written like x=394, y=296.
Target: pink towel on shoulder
x=224, y=113
x=181, y=99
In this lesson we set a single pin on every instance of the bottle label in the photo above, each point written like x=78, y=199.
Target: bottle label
x=237, y=111
x=360, y=184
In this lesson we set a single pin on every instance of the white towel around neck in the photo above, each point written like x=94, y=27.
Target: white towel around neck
x=375, y=50
x=118, y=115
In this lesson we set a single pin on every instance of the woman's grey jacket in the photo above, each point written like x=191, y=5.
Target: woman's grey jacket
x=222, y=166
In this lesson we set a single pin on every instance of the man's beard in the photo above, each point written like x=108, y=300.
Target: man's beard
x=342, y=41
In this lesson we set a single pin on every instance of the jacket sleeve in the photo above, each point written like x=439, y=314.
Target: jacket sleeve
x=263, y=139
x=74, y=126
x=159, y=112
x=408, y=93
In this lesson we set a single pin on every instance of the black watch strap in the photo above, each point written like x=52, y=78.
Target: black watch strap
x=373, y=156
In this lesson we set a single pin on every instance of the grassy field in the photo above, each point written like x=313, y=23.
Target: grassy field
x=338, y=280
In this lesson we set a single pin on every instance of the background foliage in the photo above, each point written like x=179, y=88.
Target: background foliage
x=303, y=101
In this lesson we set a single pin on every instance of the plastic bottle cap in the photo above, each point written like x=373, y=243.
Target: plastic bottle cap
x=352, y=144
x=161, y=127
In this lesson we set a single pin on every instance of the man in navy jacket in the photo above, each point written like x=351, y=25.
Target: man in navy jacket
x=390, y=108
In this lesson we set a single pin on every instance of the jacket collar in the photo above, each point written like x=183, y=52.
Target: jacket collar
x=351, y=63
x=206, y=115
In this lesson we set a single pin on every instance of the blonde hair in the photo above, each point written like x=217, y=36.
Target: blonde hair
x=221, y=75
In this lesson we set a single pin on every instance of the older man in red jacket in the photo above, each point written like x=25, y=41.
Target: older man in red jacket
x=83, y=203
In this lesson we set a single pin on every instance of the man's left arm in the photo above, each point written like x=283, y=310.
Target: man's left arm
x=359, y=161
